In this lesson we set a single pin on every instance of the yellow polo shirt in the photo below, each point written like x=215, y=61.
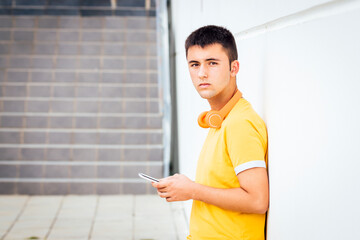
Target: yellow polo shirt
x=240, y=144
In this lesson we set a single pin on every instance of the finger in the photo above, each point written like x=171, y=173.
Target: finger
x=162, y=190
x=156, y=185
x=161, y=184
x=162, y=194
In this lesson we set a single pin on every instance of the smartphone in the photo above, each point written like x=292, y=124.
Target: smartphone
x=146, y=177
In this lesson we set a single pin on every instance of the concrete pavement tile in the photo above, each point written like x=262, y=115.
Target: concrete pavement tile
x=153, y=218
x=160, y=214
x=24, y=224
x=39, y=213
x=66, y=238
x=115, y=208
x=41, y=207
x=149, y=200
x=4, y=226
x=73, y=230
x=45, y=201
x=80, y=201
x=164, y=228
x=123, y=202
x=26, y=229
x=155, y=236
x=2, y=231
x=70, y=233
x=176, y=205
x=113, y=237
x=115, y=216
x=113, y=227
x=151, y=204
x=76, y=213
x=9, y=201
x=38, y=233
x=150, y=219
x=72, y=223
x=38, y=217
x=182, y=227
x=112, y=231
x=11, y=205
x=8, y=216
x=156, y=225
x=102, y=208
x=120, y=217
x=117, y=199
x=179, y=219
x=20, y=237
x=78, y=207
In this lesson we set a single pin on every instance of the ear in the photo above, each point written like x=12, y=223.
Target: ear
x=235, y=66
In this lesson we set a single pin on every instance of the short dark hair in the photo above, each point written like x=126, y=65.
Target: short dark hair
x=212, y=34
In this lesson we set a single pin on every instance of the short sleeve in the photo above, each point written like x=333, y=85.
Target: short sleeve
x=245, y=145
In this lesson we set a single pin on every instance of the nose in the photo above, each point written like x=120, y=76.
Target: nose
x=202, y=72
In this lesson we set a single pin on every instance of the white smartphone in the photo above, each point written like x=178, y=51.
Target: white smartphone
x=146, y=177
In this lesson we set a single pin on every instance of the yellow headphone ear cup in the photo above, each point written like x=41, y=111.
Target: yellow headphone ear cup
x=214, y=119
x=201, y=120
x=210, y=119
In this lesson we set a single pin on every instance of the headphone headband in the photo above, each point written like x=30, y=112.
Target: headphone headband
x=214, y=118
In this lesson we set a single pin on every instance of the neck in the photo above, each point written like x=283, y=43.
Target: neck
x=218, y=102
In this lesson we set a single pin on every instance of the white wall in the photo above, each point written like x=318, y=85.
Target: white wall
x=304, y=80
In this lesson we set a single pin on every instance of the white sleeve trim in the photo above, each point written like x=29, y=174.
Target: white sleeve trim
x=248, y=165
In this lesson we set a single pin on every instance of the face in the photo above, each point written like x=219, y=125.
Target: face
x=210, y=71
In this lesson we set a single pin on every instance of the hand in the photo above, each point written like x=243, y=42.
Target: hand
x=175, y=188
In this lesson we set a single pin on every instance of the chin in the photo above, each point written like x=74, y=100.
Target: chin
x=206, y=94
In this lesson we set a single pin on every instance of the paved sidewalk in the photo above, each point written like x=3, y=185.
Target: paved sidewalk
x=120, y=217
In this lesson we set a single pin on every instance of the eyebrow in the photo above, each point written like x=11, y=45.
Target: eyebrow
x=212, y=59
x=206, y=60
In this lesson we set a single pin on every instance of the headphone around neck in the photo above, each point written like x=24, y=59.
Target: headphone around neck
x=215, y=118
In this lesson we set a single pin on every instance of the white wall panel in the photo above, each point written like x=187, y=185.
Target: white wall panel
x=304, y=81
x=243, y=14
x=312, y=83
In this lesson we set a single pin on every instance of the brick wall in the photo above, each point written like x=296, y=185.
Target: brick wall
x=78, y=7
x=79, y=100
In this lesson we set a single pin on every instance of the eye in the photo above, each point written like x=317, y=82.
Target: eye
x=194, y=65
x=213, y=63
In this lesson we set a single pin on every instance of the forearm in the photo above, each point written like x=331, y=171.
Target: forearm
x=234, y=199
x=252, y=197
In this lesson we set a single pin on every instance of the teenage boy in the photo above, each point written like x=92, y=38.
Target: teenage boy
x=230, y=191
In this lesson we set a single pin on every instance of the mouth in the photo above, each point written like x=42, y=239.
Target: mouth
x=204, y=85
